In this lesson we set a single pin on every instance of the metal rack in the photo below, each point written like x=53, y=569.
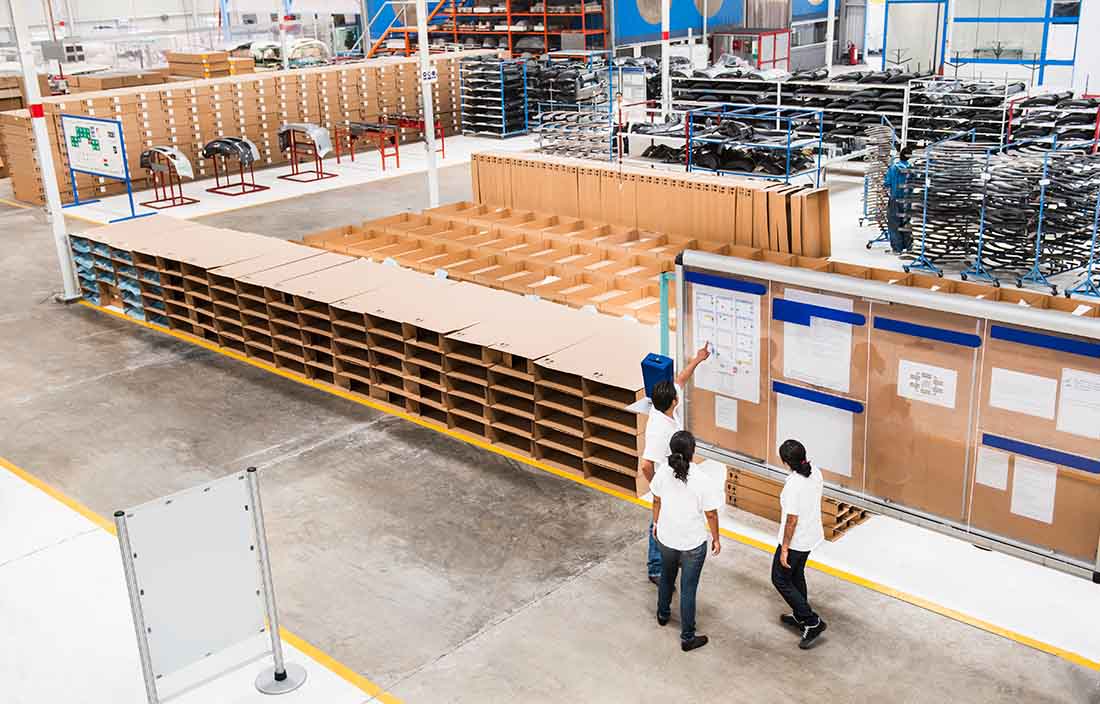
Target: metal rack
x=939, y=107
x=494, y=97
x=788, y=123
x=585, y=126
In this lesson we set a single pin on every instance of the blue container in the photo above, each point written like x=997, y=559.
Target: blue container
x=656, y=368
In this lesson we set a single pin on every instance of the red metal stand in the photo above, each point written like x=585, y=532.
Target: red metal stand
x=417, y=123
x=387, y=136
x=242, y=186
x=167, y=186
x=307, y=151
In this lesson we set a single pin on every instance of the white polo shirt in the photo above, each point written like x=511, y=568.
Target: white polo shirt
x=801, y=496
x=682, y=524
x=659, y=429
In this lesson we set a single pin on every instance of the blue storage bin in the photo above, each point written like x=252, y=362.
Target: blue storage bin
x=656, y=368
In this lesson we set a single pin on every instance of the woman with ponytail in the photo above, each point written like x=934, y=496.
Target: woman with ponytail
x=800, y=531
x=685, y=514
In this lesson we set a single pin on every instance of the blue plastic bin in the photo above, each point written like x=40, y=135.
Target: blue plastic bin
x=655, y=368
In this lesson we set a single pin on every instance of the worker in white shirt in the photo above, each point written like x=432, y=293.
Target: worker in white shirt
x=665, y=418
x=685, y=516
x=800, y=532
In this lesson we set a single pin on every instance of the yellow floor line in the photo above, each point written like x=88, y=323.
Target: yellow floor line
x=743, y=539
x=16, y=204
x=324, y=659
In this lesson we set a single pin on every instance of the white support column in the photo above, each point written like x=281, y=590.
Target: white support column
x=284, y=50
x=666, y=79
x=426, y=88
x=43, y=150
x=830, y=50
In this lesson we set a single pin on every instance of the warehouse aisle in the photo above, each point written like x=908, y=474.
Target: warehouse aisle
x=441, y=572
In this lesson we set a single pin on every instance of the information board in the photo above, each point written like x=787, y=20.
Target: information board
x=94, y=146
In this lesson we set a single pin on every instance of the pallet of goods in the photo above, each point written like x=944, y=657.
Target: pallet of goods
x=534, y=378
x=240, y=65
x=760, y=496
x=198, y=64
x=187, y=114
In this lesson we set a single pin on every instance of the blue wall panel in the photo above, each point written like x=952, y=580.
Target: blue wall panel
x=808, y=10
x=632, y=28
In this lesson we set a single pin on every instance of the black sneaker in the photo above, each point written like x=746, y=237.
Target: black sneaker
x=811, y=634
x=662, y=621
x=790, y=620
x=696, y=642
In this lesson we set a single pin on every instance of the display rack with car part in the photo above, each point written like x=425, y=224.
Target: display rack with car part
x=1053, y=115
x=850, y=102
x=574, y=110
x=494, y=97
x=940, y=107
x=764, y=142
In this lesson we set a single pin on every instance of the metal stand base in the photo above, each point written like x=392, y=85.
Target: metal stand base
x=295, y=678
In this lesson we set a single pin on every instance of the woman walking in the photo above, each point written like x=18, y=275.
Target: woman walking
x=800, y=531
x=685, y=514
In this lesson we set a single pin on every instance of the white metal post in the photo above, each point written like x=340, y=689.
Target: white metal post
x=43, y=151
x=706, y=11
x=666, y=79
x=282, y=677
x=284, y=50
x=426, y=87
x=135, y=606
x=830, y=50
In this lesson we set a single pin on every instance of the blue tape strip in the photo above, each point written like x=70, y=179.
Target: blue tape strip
x=962, y=339
x=843, y=404
x=1044, y=340
x=800, y=313
x=1064, y=459
x=726, y=283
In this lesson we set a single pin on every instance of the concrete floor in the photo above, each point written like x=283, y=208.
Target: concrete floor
x=441, y=572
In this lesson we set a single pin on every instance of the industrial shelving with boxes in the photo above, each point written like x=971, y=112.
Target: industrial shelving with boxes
x=518, y=26
x=187, y=114
x=494, y=96
x=760, y=496
x=491, y=364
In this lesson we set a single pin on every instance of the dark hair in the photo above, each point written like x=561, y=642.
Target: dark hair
x=905, y=153
x=664, y=393
x=682, y=447
x=793, y=454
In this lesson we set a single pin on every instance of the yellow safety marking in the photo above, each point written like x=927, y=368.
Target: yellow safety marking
x=324, y=659
x=16, y=204
x=743, y=539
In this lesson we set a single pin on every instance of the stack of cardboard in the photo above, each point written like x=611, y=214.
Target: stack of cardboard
x=760, y=496
x=187, y=114
x=200, y=64
x=739, y=211
x=109, y=80
x=241, y=65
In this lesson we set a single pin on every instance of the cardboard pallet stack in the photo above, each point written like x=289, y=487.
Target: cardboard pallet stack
x=566, y=260
x=198, y=64
x=190, y=113
x=110, y=80
x=760, y=496
x=744, y=212
x=239, y=65
x=538, y=379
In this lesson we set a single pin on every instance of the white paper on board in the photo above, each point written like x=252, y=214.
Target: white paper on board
x=1033, y=487
x=1023, y=393
x=1079, y=403
x=725, y=412
x=924, y=382
x=730, y=322
x=992, y=468
x=825, y=431
x=820, y=353
x=1081, y=310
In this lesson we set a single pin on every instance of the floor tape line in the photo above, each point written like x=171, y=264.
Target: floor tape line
x=321, y=657
x=838, y=573
x=16, y=204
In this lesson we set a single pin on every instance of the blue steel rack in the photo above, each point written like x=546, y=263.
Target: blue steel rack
x=784, y=119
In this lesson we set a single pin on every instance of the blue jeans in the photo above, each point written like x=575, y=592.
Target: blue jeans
x=653, y=564
x=691, y=562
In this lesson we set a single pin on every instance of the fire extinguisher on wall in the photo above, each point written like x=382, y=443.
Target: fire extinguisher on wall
x=852, y=54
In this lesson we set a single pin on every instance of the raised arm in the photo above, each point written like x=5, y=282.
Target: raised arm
x=688, y=370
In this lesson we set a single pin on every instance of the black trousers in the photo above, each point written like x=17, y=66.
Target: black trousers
x=790, y=582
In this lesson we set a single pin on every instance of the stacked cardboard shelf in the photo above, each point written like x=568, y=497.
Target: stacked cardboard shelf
x=189, y=114
x=760, y=496
x=735, y=211
x=538, y=379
